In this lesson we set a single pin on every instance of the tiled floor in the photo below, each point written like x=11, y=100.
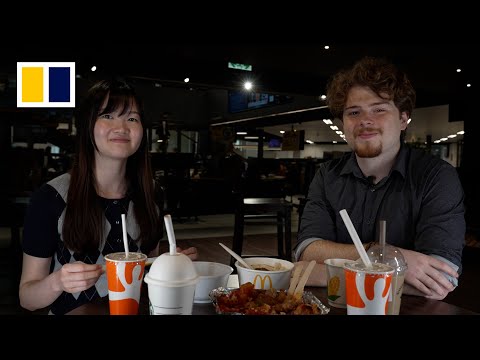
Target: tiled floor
x=222, y=225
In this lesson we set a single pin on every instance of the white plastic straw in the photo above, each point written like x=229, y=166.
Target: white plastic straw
x=170, y=234
x=125, y=238
x=355, y=238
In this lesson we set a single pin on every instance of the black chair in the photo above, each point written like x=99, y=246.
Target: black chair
x=278, y=209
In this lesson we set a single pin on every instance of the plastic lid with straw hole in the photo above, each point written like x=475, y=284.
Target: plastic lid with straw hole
x=172, y=269
x=387, y=254
x=383, y=253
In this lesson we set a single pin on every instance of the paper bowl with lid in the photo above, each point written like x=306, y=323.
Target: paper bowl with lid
x=267, y=273
x=171, y=285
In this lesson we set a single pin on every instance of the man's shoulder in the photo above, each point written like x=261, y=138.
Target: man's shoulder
x=425, y=164
x=421, y=158
x=333, y=168
x=337, y=162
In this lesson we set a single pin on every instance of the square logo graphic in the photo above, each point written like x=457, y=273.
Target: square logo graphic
x=46, y=84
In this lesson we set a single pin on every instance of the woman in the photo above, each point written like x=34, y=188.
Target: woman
x=74, y=220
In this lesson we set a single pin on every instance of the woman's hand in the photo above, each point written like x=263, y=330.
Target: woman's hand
x=78, y=276
x=191, y=252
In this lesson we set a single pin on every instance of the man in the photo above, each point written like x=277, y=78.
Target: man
x=419, y=195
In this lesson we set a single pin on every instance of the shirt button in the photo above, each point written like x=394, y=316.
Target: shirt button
x=373, y=190
x=117, y=222
x=118, y=240
x=115, y=202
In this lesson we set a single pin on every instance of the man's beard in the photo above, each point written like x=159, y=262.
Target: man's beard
x=368, y=150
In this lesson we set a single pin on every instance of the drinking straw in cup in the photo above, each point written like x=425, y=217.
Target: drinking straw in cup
x=356, y=240
x=125, y=238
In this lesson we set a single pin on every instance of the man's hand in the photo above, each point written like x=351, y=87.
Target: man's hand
x=425, y=276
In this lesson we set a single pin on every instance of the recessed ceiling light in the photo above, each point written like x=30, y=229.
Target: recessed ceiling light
x=248, y=85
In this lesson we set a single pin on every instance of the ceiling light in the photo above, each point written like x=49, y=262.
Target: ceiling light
x=94, y=68
x=327, y=121
x=461, y=132
x=186, y=80
x=459, y=70
x=248, y=85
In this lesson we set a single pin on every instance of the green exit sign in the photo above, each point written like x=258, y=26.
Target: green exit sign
x=239, y=66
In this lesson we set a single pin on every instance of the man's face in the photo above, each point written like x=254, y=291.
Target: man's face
x=372, y=125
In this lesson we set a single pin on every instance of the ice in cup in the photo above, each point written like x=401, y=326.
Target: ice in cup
x=124, y=278
x=367, y=289
x=336, y=282
x=392, y=256
x=171, y=285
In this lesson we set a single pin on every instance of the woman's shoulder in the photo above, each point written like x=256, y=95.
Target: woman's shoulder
x=53, y=189
x=61, y=184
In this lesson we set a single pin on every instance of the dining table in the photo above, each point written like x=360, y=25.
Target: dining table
x=410, y=305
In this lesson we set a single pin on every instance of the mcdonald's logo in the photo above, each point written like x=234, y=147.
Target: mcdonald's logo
x=262, y=281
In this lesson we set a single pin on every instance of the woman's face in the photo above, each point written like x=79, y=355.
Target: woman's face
x=117, y=135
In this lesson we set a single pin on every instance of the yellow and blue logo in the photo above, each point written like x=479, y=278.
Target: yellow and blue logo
x=45, y=84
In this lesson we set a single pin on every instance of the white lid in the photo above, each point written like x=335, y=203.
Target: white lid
x=172, y=271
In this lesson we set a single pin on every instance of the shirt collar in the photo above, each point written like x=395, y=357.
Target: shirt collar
x=400, y=165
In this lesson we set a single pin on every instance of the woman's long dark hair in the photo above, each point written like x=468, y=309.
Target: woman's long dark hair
x=83, y=228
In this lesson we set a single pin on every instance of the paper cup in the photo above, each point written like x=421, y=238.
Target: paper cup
x=165, y=300
x=336, y=282
x=367, y=289
x=124, y=278
x=171, y=285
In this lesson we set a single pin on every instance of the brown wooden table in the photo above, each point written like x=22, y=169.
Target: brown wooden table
x=411, y=305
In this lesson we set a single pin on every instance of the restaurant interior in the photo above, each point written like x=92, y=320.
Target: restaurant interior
x=212, y=141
